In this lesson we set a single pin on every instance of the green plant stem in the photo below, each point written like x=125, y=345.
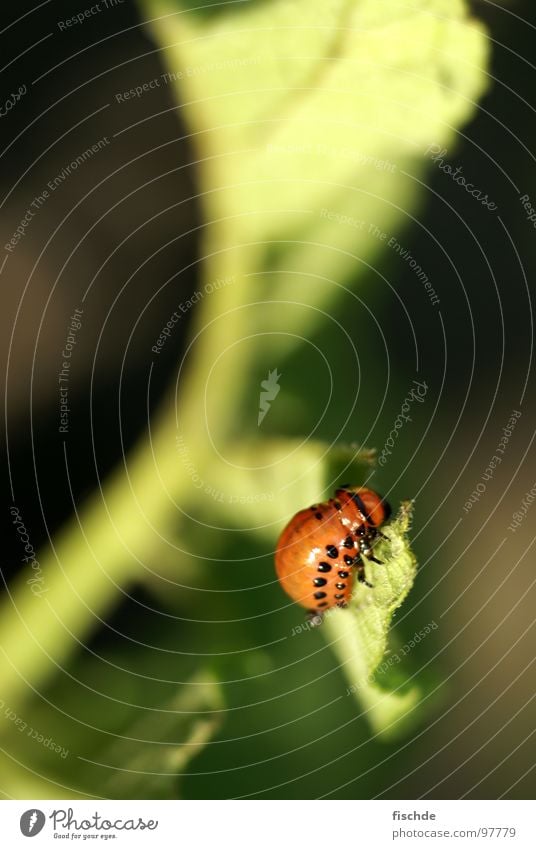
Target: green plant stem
x=388, y=713
x=104, y=548
x=99, y=554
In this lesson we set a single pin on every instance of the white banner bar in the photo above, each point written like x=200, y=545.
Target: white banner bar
x=265, y=824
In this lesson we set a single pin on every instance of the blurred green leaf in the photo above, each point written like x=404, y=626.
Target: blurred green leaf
x=118, y=733
x=149, y=756
x=298, y=106
x=304, y=118
x=300, y=112
x=260, y=484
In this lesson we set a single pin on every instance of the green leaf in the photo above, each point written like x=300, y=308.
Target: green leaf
x=261, y=484
x=296, y=106
x=359, y=634
x=304, y=117
x=149, y=758
x=360, y=82
x=295, y=474
x=115, y=734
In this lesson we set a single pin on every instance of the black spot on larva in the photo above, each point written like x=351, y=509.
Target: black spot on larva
x=361, y=531
x=341, y=586
x=322, y=604
x=324, y=567
x=337, y=505
x=343, y=574
x=320, y=595
x=332, y=551
x=318, y=515
x=361, y=506
x=314, y=507
x=339, y=595
x=348, y=542
x=348, y=560
x=319, y=582
x=341, y=604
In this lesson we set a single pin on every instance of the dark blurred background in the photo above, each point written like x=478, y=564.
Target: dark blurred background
x=119, y=240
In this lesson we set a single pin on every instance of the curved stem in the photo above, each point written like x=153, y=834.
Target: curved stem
x=103, y=549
